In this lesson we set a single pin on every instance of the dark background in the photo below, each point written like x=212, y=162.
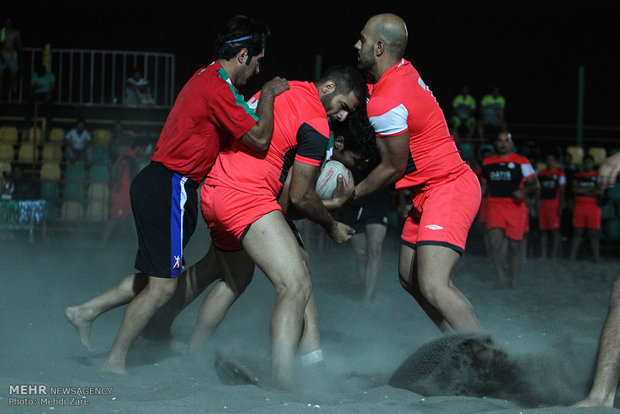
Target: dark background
x=531, y=50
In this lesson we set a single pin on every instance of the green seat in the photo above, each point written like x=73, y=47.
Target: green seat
x=483, y=147
x=608, y=211
x=99, y=155
x=49, y=191
x=612, y=229
x=74, y=192
x=74, y=172
x=467, y=152
x=614, y=193
x=99, y=173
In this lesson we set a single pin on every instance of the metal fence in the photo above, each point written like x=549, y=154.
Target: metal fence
x=99, y=77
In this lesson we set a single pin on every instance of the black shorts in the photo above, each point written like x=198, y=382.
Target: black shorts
x=373, y=209
x=165, y=209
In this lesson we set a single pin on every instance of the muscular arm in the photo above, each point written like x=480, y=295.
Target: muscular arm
x=394, y=151
x=259, y=136
x=303, y=196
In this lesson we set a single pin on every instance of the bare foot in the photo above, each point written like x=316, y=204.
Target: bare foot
x=115, y=368
x=82, y=324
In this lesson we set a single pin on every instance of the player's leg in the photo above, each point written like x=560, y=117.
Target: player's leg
x=575, y=242
x=358, y=241
x=82, y=316
x=407, y=274
x=544, y=243
x=375, y=234
x=192, y=282
x=138, y=313
x=237, y=270
x=555, y=243
x=605, y=383
x=496, y=241
x=271, y=244
x=593, y=236
x=436, y=267
x=515, y=248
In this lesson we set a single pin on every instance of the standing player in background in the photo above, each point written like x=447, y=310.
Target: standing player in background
x=208, y=114
x=417, y=152
x=550, y=204
x=239, y=204
x=508, y=178
x=586, y=211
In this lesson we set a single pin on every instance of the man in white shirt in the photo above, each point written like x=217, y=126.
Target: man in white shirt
x=77, y=142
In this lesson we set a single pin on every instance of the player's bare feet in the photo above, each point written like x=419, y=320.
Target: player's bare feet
x=114, y=367
x=82, y=323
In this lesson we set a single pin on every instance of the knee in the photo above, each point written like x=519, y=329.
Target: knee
x=430, y=290
x=298, y=287
x=163, y=290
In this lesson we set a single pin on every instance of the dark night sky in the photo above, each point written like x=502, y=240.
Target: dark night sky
x=530, y=49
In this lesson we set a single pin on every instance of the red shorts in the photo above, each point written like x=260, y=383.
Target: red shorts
x=586, y=215
x=443, y=212
x=505, y=213
x=548, y=218
x=229, y=213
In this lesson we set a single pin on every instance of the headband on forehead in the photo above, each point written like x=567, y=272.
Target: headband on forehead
x=239, y=39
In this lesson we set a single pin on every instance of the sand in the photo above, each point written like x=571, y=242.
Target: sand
x=551, y=324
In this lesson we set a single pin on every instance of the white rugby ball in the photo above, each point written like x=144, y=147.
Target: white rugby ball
x=328, y=179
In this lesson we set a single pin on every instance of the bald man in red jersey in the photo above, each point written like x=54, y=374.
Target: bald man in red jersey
x=418, y=153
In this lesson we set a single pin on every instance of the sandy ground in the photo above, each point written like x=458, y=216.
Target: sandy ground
x=552, y=320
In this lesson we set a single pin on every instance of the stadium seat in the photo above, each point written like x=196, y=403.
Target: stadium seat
x=57, y=134
x=540, y=166
x=467, y=152
x=599, y=154
x=612, y=229
x=75, y=172
x=484, y=147
x=99, y=173
x=72, y=211
x=52, y=152
x=98, y=154
x=614, y=193
x=32, y=135
x=576, y=153
x=102, y=137
x=608, y=211
x=5, y=167
x=614, y=151
x=9, y=134
x=50, y=171
x=97, y=211
x=49, y=191
x=27, y=153
x=7, y=152
x=98, y=192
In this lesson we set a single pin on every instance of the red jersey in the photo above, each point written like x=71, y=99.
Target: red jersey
x=505, y=175
x=300, y=133
x=207, y=114
x=586, y=180
x=401, y=102
x=550, y=183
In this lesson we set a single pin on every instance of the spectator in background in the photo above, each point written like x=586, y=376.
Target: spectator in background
x=550, y=203
x=42, y=86
x=586, y=211
x=507, y=179
x=138, y=90
x=464, y=108
x=77, y=141
x=492, y=119
x=123, y=171
x=10, y=53
x=121, y=140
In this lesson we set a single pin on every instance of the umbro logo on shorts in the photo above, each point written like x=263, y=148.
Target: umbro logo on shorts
x=434, y=227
